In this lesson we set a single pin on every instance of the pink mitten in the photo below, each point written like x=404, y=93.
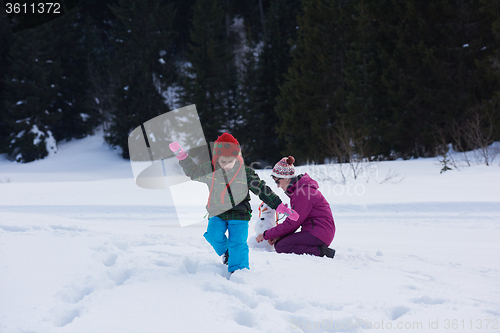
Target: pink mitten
x=290, y=213
x=178, y=151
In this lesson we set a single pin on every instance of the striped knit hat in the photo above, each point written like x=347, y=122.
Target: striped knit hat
x=284, y=168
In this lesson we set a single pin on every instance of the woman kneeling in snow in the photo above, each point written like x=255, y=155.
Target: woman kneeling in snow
x=315, y=215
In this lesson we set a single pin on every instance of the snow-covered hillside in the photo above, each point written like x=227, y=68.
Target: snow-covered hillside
x=83, y=249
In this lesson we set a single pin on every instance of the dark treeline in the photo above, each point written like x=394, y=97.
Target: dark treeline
x=318, y=79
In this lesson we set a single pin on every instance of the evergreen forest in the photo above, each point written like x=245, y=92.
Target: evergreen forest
x=322, y=80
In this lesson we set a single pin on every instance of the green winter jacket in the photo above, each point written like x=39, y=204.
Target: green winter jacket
x=230, y=202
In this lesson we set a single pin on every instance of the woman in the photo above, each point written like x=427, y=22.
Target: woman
x=315, y=215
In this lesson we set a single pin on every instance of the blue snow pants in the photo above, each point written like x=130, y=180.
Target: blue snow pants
x=236, y=244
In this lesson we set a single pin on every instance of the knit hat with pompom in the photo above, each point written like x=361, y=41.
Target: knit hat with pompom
x=226, y=145
x=284, y=168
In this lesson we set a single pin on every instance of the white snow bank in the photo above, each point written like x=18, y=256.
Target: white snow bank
x=83, y=249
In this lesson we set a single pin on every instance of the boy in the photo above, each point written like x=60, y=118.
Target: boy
x=228, y=206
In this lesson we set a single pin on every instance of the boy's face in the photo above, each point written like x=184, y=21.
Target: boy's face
x=226, y=162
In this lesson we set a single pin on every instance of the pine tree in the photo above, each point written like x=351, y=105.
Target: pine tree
x=32, y=98
x=429, y=57
x=254, y=16
x=398, y=69
x=353, y=120
x=476, y=80
x=210, y=79
x=314, y=88
x=5, y=44
x=94, y=21
x=491, y=64
x=264, y=71
x=142, y=66
x=79, y=118
x=97, y=53
x=182, y=25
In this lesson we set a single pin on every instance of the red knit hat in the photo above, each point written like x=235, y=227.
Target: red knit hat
x=226, y=145
x=284, y=168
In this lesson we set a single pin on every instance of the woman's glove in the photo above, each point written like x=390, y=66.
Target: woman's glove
x=290, y=213
x=178, y=151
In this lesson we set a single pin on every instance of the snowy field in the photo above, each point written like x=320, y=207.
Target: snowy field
x=83, y=249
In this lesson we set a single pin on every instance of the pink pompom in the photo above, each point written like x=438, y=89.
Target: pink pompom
x=290, y=160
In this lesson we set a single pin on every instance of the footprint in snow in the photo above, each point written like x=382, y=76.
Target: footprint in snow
x=162, y=263
x=398, y=311
x=122, y=246
x=110, y=260
x=67, y=317
x=372, y=259
x=120, y=276
x=74, y=294
x=288, y=306
x=191, y=266
x=417, y=275
x=67, y=228
x=11, y=228
x=244, y=318
x=265, y=292
x=493, y=312
x=428, y=300
x=244, y=298
x=411, y=287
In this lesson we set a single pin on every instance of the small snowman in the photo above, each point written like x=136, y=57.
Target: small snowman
x=268, y=218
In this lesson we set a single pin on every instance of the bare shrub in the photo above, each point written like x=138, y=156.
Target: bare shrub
x=472, y=137
x=480, y=133
x=349, y=145
x=393, y=177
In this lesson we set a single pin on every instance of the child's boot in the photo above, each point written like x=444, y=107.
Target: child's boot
x=326, y=251
x=225, y=257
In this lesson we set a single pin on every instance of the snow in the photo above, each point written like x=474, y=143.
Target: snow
x=83, y=249
x=85, y=116
x=39, y=134
x=48, y=138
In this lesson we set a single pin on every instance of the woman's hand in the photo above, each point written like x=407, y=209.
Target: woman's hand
x=273, y=241
x=290, y=213
x=259, y=238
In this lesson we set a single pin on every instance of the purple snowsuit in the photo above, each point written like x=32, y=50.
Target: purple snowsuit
x=316, y=219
